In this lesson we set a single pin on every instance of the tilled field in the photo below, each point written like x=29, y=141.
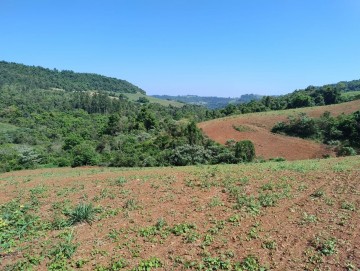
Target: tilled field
x=300, y=215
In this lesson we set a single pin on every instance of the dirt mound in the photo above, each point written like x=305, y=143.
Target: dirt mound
x=256, y=127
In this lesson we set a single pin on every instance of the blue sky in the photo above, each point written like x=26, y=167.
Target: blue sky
x=210, y=48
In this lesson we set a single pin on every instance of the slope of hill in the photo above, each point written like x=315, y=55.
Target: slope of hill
x=256, y=127
x=38, y=77
x=152, y=99
x=210, y=102
x=301, y=215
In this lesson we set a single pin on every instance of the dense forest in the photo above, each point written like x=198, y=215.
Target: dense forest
x=31, y=77
x=63, y=118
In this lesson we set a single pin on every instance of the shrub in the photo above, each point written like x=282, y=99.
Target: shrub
x=245, y=150
x=346, y=151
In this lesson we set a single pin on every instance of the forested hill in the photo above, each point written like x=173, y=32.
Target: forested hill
x=32, y=77
x=210, y=102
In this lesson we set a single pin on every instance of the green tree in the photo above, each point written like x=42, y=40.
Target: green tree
x=245, y=150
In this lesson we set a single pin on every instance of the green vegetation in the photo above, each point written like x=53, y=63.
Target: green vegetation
x=311, y=96
x=31, y=77
x=342, y=131
x=209, y=102
x=83, y=212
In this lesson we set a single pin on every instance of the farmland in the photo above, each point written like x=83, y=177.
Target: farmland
x=256, y=127
x=301, y=215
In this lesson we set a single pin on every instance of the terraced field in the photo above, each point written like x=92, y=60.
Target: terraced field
x=301, y=215
x=257, y=128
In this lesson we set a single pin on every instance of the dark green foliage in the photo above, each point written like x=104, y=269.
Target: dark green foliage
x=344, y=129
x=38, y=77
x=346, y=151
x=301, y=126
x=84, y=154
x=245, y=150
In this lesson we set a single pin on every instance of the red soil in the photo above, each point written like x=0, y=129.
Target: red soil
x=270, y=145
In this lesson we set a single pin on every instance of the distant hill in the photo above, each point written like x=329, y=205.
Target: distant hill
x=38, y=77
x=210, y=102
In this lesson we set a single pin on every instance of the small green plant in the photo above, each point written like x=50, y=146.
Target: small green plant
x=326, y=246
x=131, y=204
x=318, y=193
x=215, y=201
x=180, y=229
x=268, y=199
x=348, y=206
x=308, y=218
x=250, y=263
x=83, y=212
x=270, y=244
x=215, y=263
x=120, y=181
x=147, y=265
x=254, y=232
x=62, y=252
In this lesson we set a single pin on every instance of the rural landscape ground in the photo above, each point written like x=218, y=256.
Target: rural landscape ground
x=301, y=215
x=257, y=128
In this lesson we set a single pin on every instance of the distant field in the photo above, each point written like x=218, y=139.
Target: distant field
x=302, y=215
x=350, y=94
x=267, y=144
x=135, y=96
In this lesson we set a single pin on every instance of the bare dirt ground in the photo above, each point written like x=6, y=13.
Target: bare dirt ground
x=300, y=215
x=257, y=127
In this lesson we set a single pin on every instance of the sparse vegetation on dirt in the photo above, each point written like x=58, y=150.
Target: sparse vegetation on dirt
x=283, y=215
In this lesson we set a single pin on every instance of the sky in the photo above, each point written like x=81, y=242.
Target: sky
x=222, y=48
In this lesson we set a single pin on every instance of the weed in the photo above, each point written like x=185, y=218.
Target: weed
x=348, y=206
x=216, y=263
x=62, y=251
x=180, y=229
x=308, y=218
x=250, y=203
x=83, y=212
x=120, y=181
x=250, y=263
x=16, y=224
x=268, y=199
x=253, y=233
x=131, y=204
x=208, y=239
x=215, y=201
x=270, y=244
x=318, y=193
x=147, y=265
x=325, y=246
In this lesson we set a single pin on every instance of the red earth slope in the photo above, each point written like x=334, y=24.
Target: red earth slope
x=257, y=127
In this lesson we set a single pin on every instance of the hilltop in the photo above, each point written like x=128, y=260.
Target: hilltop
x=32, y=77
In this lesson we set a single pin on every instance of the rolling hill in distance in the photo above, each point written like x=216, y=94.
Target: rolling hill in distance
x=210, y=102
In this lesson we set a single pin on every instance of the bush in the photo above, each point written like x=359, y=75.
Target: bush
x=245, y=150
x=346, y=151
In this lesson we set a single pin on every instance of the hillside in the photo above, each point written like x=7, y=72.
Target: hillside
x=300, y=215
x=31, y=77
x=209, y=102
x=256, y=127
